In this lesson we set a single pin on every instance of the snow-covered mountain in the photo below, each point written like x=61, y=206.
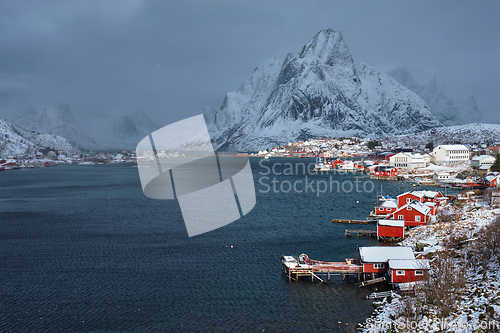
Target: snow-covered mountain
x=318, y=92
x=59, y=120
x=450, y=107
x=123, y=132
x=465, y=134
x=15, y=140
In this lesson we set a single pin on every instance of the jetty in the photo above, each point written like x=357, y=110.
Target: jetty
x=360, y=232
x=369, y=282
x=351, y=221
x=303, y=266
x=382, y=294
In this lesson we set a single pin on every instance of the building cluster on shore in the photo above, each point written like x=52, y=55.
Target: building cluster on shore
x=446, y=165
x=52, y=158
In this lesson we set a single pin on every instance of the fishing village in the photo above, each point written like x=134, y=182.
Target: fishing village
x=415, y=229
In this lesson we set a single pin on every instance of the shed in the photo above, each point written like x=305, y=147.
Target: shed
x=391, y=228
x=407, y=270
x=374, y=258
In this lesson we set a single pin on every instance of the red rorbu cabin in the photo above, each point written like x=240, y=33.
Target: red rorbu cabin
x=421, y=196
x=386, y=207
x=374, y=258
x=385, y=171
x=407, y=270
x=391, y=228
x=414, y=213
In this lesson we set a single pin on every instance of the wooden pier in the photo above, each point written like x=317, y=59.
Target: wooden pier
x=305, y=267
x=360, y=232
x=351, y=221
x=381, y=294
x=369, y=282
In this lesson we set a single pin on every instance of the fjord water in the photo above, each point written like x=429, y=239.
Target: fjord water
x=83, y=250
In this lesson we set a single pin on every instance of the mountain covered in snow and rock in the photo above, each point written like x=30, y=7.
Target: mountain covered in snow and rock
x=59, y=120
x=105, y=132
x=15, y=141
x=121, y=132
x=319, y=92
x=468, y=134
x=448, y=106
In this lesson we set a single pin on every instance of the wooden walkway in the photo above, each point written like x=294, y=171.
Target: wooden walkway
x=351, y=221
x=367, y=283
x=314, y=268
x=360, y=232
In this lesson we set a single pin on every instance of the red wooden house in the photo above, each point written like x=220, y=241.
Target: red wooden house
x=385, y=171
x=386, y=207
x=10, y=164
x=421, y=196
x=407, y=270
x=391, y=228
x=374, y=258
x=433, y=206
x=413, y=213
x=492, y=179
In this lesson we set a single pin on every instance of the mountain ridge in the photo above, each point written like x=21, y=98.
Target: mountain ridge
x=319, y=92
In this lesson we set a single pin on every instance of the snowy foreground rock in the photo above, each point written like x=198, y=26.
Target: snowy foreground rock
x=476, y=305
x=316, y=93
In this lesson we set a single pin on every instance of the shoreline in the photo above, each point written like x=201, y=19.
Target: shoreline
x=456, y=230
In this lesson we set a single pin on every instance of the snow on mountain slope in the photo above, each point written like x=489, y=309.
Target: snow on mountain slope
x=123, y=132
x=465, y=134
x=316, y=93
x=450, y=107
x=58, y=119
x=15, y=140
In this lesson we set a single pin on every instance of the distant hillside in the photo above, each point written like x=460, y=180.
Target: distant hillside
x=15, y=140
x=465, y=134
x=450, y=107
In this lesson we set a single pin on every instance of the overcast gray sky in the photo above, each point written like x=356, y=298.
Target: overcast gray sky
x=171, y=58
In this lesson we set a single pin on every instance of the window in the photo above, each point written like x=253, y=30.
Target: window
x=419, y=272
x=379, y=266
x=417, y=218
x=401, y=217
x=400, y=272
x=408, y=208
x=408, y=200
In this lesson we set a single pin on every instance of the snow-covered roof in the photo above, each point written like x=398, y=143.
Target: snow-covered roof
x=430, y=203
x=409, y=264
x=384, y=253
x=389, y=204
x=453, y=147
x=482, y=157
x=417, y=205
x=424, y=193
x=485, y=167
x=392, y=223
x=420, y=207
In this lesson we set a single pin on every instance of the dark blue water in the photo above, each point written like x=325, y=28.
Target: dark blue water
x=83, y=250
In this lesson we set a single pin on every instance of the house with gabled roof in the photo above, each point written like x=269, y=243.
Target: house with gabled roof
x=421, y=196
x=449, y=155
x=413, y=213
x=374, y=258
x=407, y=270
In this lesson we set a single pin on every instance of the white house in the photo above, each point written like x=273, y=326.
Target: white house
x=449, y=155
x=408, y=160
x=478, y=161
x=441, y=176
